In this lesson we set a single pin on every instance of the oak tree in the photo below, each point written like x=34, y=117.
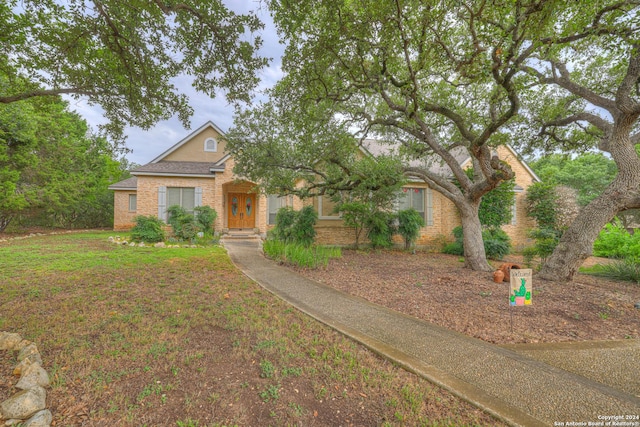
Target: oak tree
x=126, y=56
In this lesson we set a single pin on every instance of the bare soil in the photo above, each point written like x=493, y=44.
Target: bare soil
x=190, y=341
x=437, y=288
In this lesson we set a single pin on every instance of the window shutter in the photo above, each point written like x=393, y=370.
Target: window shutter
x=198, y=199
x=429, y=207
x=162, y=203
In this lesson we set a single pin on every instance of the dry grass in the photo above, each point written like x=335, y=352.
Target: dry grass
x=178, y=337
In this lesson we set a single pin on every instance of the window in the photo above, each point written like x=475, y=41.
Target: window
x=210, y=144
x=182, y=196
x=274, y=204
x=326, y=208
x=133, y=202
x=419, y=199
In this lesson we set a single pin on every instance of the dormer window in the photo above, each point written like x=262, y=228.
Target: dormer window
x=210, y=144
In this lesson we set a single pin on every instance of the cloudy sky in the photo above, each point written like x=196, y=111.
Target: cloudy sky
x=146, y=145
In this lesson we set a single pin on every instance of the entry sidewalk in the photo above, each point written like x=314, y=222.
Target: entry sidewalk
x=511, y=386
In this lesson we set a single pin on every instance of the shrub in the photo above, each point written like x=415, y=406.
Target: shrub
x=627, y=269
x=300, y=255
x=614, y=241
x=184, y=225
x=355, y=214
x=303, y=230
x=206, y=217
x=409, y=224
x=381, y=228
x=285, y=218
x=148, y=229
x=175, y=213
x=497, y=243
x=546, y=241
x=295, y=226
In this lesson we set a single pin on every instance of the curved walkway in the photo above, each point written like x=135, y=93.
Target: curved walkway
x=510, y=385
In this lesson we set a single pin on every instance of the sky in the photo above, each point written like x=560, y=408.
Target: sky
x=145, y=145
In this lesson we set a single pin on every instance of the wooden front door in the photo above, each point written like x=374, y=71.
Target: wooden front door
x=241, y=210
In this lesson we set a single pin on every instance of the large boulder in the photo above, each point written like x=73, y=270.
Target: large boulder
x=24, y=404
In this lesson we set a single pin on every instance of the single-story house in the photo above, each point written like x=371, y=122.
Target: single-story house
x=197, y=171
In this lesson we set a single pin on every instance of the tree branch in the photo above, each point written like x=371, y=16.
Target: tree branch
x=45, y=92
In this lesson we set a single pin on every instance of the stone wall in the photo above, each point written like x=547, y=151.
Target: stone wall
x=27, y=407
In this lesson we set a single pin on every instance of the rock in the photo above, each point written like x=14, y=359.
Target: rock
x=23, y=404
x=40, y=419
x=141, y=244
x=33, y=375
x=24, y=364
x=637, y=305
x=132, y=244
x=159, y=245
x=29, y=351
x=9, y=341
x=111, y=239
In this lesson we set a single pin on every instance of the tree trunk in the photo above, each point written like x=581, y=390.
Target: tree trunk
x=576, y=243
x=475, y=256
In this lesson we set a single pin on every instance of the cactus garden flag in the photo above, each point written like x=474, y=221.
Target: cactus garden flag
x=521, y=287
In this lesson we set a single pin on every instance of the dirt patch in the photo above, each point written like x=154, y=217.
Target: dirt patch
x=164, y=337
x=436, y=288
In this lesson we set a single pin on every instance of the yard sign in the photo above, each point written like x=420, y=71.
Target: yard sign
x=521, y=291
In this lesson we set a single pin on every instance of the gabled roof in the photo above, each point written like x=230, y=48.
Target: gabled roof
x=175, y=169
x=435, y=164
x=127, y=184
x=187, y=139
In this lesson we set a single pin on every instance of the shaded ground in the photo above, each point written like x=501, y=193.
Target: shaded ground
x=436, y=288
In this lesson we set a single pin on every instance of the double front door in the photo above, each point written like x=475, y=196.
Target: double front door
x=241, y=210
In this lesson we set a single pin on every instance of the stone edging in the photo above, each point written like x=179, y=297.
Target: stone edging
x=28, y=406
x=52, y=233
x=124, y=242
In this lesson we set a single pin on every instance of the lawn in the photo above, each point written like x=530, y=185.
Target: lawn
x=179, y=337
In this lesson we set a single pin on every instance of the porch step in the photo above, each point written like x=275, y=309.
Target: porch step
x=246, y=235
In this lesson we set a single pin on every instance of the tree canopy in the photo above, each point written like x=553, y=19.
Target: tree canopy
x=584, y=95
x=436, y=80
x=53, y=171
x=125, y=56
x=589, y=173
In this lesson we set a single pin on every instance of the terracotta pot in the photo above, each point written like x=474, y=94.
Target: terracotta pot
x=498, y=276
x=506, y=269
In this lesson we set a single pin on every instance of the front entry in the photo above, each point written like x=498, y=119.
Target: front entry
x=241, y=210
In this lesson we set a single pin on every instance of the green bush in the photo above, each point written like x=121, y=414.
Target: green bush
x=184, y=225
x=381, y=229
x=300, y=255
x=454, y=248
x=303, y=230
x=614, y=241
x=546, y=241
x=295, y=226
x=206, y=217
x=148, y=229
x=409, y=224
x=175, y=213
x=626, y=269
x=285, y=218
x=497, y=243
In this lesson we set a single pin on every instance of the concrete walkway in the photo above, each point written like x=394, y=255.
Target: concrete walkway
x=511, y=385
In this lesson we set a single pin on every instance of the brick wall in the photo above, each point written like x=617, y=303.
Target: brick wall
x=122, y=216
x=445, y=216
